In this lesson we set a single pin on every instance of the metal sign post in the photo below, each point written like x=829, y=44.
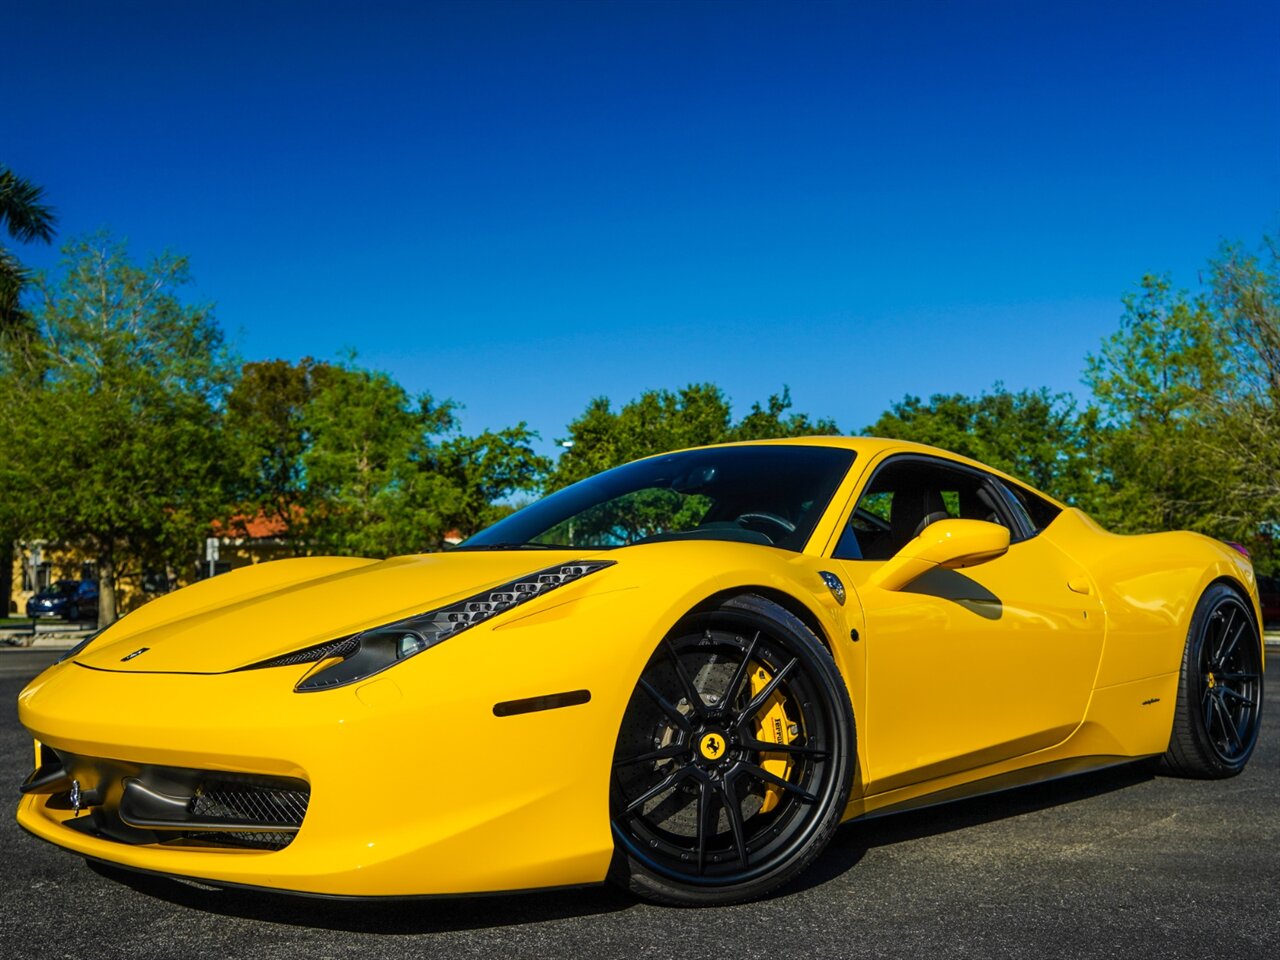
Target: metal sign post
x=211, y=553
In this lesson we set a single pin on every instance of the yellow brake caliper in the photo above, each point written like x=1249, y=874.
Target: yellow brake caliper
x=772, y=726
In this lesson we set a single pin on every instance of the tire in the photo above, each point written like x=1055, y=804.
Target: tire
x=701, y=814
x=1219, y=707
x=73, y=613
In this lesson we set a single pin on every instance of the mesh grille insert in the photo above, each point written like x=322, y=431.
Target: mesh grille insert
x=244, y=801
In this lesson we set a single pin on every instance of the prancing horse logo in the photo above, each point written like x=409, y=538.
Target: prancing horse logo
x=137, y=653
x=712, y=746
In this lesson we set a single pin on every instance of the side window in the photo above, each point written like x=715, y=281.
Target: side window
x=1018, y=507
x=1040, y=512
x=905, y=495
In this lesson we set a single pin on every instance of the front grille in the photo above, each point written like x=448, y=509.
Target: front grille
x=223, y=800
x=145, y=803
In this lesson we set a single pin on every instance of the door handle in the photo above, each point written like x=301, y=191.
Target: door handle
x=1079, y=584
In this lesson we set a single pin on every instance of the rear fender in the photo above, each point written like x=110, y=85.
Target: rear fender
x=1149, y=586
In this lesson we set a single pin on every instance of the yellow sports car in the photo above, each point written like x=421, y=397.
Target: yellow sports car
x=681, y=674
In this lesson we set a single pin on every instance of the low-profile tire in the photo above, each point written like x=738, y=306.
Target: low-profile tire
x=707, y=805
x=1219, y=707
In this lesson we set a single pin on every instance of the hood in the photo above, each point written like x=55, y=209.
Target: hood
x=259, y=612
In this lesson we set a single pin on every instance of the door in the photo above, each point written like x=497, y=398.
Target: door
x=965, y=667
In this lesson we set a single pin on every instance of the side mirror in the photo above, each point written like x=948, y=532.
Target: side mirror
x=949, y=544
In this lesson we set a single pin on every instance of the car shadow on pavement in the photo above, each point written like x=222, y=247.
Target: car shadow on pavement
x=853, y=840
x=452, y=914
x=410, y=915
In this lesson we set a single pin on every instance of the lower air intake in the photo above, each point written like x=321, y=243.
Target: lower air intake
x=145, y=803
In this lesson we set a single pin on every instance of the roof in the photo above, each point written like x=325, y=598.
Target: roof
x=870, y=447
x=260, y=527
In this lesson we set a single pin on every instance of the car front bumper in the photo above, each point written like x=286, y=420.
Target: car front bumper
x=409, y=794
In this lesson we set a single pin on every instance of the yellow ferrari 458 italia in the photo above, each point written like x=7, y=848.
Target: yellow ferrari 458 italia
x=681, y=674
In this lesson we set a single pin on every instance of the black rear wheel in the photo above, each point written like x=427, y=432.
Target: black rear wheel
x=1215, y=724
x=734, y=760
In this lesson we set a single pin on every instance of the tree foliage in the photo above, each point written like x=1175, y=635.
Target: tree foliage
x=366, y=435
x=1151, y=381
x=662, y=420
x=1244, y=416
x=110, y=428
x=26, y=218
x=476, y=477
x=347, y=462
x=267, y=422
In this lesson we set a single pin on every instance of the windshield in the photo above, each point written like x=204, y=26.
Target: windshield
x=770, y=495
x=63, y=588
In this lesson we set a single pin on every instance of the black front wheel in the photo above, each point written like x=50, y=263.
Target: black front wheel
x=734, y=760
x=1215, y=724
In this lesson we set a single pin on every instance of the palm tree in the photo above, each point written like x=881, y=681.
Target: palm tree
x=26, y=219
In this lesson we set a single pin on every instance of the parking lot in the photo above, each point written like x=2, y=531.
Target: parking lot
x=1121, y=863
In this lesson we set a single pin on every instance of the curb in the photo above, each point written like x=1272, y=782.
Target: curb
x=51, y=641
x=66, y=642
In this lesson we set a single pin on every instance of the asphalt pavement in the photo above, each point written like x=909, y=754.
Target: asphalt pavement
x=1121, y=863
x=23, y=663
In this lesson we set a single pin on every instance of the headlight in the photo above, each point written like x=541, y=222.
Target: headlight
x=371, y=651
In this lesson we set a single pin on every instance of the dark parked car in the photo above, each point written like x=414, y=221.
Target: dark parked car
x=1269, y=595
x=70, y=599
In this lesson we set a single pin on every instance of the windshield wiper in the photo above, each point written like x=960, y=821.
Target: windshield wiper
x=526, y=545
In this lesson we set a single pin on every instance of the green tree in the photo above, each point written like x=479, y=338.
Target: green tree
x=1240, y=429
x=366, y=441
x=1034, y=435
x=473, y=478
x=657, y=421
x=1152, y=381
x=1245, y=415
x=347, y=462
x=772, y=421
x=26, y=218
x=110, y=427
x=662, y=420
x=267, y=423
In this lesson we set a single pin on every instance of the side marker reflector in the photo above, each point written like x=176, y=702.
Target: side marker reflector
x=552, y=701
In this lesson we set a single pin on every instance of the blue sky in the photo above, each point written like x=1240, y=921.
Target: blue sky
x=523, y=206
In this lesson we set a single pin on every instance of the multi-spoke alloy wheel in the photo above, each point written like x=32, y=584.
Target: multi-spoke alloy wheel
x=734, y=759
x=1219, y=706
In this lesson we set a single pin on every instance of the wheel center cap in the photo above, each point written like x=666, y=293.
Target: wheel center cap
x=712, y=745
